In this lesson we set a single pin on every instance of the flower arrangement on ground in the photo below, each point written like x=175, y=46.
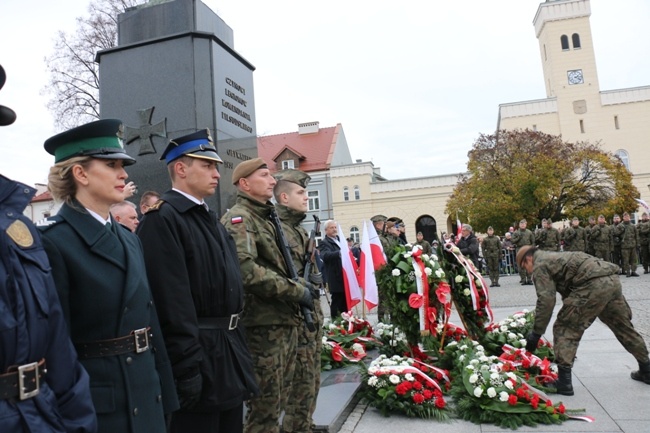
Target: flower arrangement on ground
x=392, y=338
x=490, y=389
x=413, y=286
x=512, y=332
x=405, y=385
x=346, y=341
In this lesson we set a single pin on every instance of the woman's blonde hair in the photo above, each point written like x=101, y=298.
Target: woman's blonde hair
x=60, y=181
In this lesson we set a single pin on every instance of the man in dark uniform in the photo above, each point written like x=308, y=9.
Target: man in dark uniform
x=194, y=273
x=290, y=193
x=590, y=289
x=330, y=252
x=35, y=349
x=272, y=298
x=617, y=258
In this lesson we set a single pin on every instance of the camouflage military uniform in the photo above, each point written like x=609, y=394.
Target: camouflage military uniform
x=301, y=401
x=626, y=231
x=426, y=246
x=601, y=240
x=643, y=233
x=548, y=239
x=616, y=246
x=271, y=312
x=521, y=238
x=574, y=239
x=589, y=245
x=590, y=289
x=492, y=254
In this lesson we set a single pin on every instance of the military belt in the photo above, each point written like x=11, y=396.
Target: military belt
x=23, y=381
x=228, y=322
x=136, y=342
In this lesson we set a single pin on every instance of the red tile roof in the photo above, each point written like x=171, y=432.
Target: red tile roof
x=315, y=149
x=45, y=196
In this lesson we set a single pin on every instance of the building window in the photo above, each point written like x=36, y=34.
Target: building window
x=346, y=194
x=616, y=122
x=314, y=200
x=582, y=126
x=575, y=38
x=357, y=193
x=288, y=163
x=624, y=157
x=354, y=234
x=564, y=41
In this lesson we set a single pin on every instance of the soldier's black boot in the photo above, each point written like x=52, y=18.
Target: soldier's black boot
x=563, y=383
x=634, y=274
x=643, y=374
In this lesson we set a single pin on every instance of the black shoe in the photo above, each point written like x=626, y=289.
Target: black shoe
x=492, y=284
x=643, y=373
x=627, y=275
x=563, y=384
x=645, y=271
x=498, y=285
x=634, y=274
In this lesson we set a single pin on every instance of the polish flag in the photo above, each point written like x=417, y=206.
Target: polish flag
x=367, y=278
x=459, y=227
x=376, y=249
x=350, y=269
x=642, y=203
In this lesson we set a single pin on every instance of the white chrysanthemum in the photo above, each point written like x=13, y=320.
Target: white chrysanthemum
x=470, y=367
x=478, y=283
x=483, y=358
x=434, y=257
x=494, y=375
x=452, y=343
x=491, y=392
x=503, y=328
x=508, y=384
x=511, y=375
x=324, y=339
x=439, y=273
x=409, y=377
x=478, y=391
x=512, y=336
x=372, y=370
x=480, y=348
x=459, y=278
x=372, y=381
x=425, y=257
x=407, y=255
x=332, y=327
x=466, y=292
x=523, y=342
x=474, y=361
x=503, y=396
x=428, y=271
x=485, y=367
x=461, y=358
x=473, y=378
x=394, y=379
x=506, y=321
x=463, y=347
x=356, y=347
x=395, y=272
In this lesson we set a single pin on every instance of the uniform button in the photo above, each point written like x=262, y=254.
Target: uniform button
x=150, y=303
x=135, y=411
x=159, y=398
x=129, y=360
x=10, y=214
x=26, y=191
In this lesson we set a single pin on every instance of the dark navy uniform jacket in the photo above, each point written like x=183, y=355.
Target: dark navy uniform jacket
x=32, y=327
x=102, y=284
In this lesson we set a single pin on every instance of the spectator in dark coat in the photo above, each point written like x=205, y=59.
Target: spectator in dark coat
x=330, y=252
x=468, y=244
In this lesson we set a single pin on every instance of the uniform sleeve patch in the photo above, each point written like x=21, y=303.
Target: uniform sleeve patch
x=236, y=220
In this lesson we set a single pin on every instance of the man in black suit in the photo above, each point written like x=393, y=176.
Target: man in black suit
x=330, y=252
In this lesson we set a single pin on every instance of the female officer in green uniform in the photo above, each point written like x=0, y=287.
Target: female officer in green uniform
x=100, y=276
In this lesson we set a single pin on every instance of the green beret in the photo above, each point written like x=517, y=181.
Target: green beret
x=294, y=176
x=246, y=168
x=99, y=139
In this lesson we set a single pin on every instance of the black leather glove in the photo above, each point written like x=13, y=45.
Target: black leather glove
x=189, y=391
x=531, y=341
x=316, y=279
x=307, y=299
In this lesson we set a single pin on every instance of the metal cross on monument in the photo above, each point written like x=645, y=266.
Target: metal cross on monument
x=146, y=130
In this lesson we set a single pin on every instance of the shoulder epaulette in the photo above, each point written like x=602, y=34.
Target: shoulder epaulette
x=155, y=206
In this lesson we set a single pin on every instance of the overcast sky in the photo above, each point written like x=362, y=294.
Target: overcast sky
x=413, y=83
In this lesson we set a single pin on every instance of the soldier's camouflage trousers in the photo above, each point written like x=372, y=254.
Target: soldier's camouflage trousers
x=273, y=349
x=600, y=297
x=493, y=269
x=602, y=253
x=301, y=402
x=628, y=257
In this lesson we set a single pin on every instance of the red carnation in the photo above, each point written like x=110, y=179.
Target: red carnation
x=418, y=398
x=512, y=400
x=400, y=389
x=417, y=386
x=561, y=408
x=427, y=394
x=534, y=402
x=408, y=385
x=440, y=403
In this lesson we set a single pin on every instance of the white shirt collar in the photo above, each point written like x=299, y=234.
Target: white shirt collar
x=191, y=197
x=99, y=217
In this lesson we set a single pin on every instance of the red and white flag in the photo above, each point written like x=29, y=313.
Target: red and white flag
x=367, y=279
x=376, y=249
x=459, y=227
x=350, y=270
x=642, y=203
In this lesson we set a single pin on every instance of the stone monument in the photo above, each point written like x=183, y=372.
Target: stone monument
x=174, y=71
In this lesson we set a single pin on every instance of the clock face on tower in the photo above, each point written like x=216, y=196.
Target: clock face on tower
x=575, y=76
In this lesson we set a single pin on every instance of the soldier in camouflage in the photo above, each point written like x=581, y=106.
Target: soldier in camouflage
x=601, y=239
x=521, y=238
x=616, y=243
x=547, y=237
x=492, y=253
x=588, y=229
x=574, y=237
x=626, y=231
x=590, y=289
x=643, y=233
x=292, y=203
x=271, y=299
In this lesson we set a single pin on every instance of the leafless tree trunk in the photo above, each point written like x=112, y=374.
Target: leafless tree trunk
x=73, y=88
